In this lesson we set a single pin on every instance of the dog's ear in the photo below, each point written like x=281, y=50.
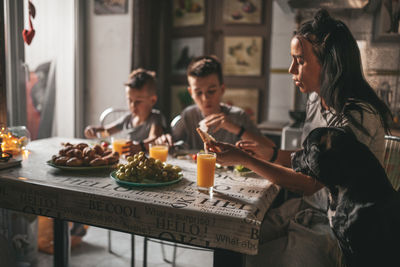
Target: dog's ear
x=322, y=154
x=319, y=157
x=311, y=160
x=304, y=161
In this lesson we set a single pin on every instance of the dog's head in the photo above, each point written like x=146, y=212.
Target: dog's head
x=334, y=156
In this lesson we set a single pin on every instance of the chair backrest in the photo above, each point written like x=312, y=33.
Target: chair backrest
x=391, y=162
x=175, y=120
x=112, y=114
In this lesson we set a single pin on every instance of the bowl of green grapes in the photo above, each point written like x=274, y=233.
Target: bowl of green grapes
x=144, y=171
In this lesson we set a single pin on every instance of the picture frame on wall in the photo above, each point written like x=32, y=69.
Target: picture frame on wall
x=188, y=13
x=242, y=56
x=242, y=12
x=245, y=98
x=105, y=7
x=387, y=22
x=180, y=99
x=183, y=51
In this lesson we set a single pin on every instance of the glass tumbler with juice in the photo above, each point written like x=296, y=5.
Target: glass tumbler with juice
x=118, y=144
x=158, y=152
x=205, y=170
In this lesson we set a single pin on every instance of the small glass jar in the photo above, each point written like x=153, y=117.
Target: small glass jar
x=18, y=138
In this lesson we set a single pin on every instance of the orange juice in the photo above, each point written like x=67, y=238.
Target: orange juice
x=118, y=144
x=205, y=169
x=159, y=152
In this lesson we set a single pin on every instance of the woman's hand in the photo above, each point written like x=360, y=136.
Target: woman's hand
x=259, y=150
x=229, y=154
x=220, y=121
x=91, y=131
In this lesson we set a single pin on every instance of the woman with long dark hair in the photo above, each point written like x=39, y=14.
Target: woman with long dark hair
x=326, y=64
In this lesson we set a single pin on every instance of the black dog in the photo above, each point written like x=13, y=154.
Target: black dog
x=364, y=209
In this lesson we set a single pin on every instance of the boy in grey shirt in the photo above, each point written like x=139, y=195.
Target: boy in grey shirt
x=143, y=124
x=225, y=123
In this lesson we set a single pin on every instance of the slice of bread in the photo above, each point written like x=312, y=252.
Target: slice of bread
x=207, y=139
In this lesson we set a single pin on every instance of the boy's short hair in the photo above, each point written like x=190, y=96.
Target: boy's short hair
x=205, y=65
x=139, y=77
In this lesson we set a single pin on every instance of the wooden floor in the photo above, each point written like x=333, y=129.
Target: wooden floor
x=93, y=252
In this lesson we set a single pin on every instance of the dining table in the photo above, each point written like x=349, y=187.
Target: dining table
x=227, y=221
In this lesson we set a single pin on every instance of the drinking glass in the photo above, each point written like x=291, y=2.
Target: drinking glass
x=118, y=144
x=205, y=170
x=16, y=139
x=158, y=152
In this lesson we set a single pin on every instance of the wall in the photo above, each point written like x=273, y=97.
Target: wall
x=109, y=45
x=109, y=41
x=281, y=88
x=109, y=56
x=54, y=41
x=381, y=60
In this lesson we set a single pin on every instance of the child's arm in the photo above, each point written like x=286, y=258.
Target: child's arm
x=134, y=147
x=91, y=131
x=222, y=121
x=100, y=131
x=155, y=131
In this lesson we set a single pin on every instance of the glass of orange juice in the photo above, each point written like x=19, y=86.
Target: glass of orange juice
x=205, y=170
x=118, y=143
x=158, y=152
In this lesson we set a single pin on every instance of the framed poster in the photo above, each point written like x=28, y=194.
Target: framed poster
x=188, y=13
x=242, y=56
x=239, y=11
x=387, y=21
x=245, y=98
x=106, y=7
x=183, y=51
x=180, y=99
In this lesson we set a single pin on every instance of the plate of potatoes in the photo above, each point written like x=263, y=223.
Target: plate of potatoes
x=83, y=156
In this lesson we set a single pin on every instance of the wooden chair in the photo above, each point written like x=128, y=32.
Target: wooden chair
x=391, y=161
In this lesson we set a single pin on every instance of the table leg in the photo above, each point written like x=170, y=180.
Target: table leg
x=132, y=250
x=228, y=258
x=145, y=252
x=61, y=243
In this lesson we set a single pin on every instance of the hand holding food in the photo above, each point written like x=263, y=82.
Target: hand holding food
x=227, y=154
x=208, y=140
x=217, y=121
x=259, y=150
x=80, y=155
